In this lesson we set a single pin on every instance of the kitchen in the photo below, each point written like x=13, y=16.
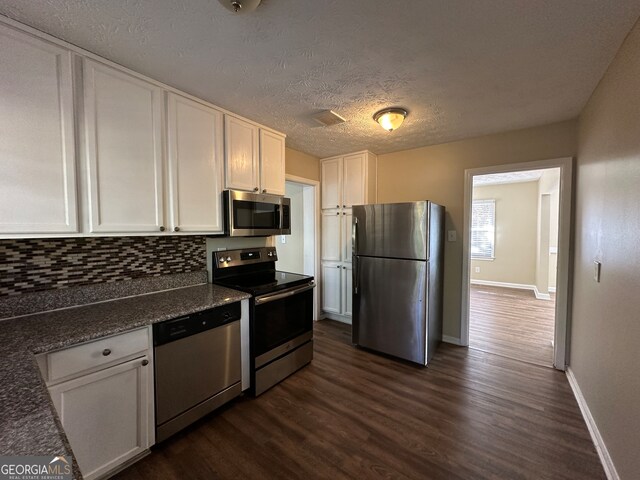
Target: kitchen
x=122, y=228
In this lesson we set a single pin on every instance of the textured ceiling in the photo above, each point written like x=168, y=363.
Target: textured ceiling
x=461, y=67
x=512, y=177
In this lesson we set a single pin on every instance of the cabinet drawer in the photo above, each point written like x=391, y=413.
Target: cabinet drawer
x=89, y=355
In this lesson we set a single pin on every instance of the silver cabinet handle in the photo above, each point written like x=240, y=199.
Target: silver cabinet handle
x=106, y=352
x=176, y=229
x=162, y=229
x=145, y=362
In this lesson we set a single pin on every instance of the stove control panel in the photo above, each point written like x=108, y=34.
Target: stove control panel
x=245, y=256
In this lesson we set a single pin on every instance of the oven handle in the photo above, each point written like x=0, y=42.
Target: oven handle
x=287, y=293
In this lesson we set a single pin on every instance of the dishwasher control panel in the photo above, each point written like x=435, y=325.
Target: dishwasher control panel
x=171, y=330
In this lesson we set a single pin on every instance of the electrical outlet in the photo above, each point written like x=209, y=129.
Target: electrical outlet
x=452, y=236
x=283, y=239
x=477, y=269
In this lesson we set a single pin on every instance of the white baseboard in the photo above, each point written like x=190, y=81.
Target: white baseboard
x=552, y=289
x=452, y=340
x=520, y=286
x=601, y=448
x=337, y=318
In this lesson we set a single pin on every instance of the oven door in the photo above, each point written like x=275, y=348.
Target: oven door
x=254, y=215
x=282, y=321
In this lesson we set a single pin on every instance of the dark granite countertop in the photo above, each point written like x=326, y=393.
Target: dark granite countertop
x=29, y=424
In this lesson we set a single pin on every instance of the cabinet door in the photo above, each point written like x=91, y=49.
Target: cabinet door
x=124, y=150
x=347, y=243
x=354, y=180
x=331, y=221
x=241, y=155
x=331, y=183
x=271, y=163
x=347, y=289
x=195, y=165
x=37, y=145
x=106, y=415
x=331, y=287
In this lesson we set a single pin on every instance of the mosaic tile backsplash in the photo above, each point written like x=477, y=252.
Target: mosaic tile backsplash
x=35, y=265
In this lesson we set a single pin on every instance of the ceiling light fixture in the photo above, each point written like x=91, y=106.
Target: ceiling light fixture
x=240, y=6
x=390, y=118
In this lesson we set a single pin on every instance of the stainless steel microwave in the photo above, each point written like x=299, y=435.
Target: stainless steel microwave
x=256, y=214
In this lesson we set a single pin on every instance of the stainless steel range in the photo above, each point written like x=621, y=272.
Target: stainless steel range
x=281, y=312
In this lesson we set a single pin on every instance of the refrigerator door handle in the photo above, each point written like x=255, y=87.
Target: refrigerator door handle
x=354, y=250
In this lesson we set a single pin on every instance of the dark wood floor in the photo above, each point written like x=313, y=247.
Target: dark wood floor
x=513, y=323
x=354, y=414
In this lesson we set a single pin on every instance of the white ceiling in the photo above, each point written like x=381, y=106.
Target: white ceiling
x=511, y=177
x=461, y=67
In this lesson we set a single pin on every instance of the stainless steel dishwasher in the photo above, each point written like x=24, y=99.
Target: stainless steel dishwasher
x=197, y=366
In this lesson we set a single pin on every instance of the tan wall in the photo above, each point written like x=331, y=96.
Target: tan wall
x=437, y=173
x=516, y=233
x=605, y=330
x=291, y=253
x=301, y=164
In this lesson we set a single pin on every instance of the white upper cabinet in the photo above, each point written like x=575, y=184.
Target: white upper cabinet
x=331, y=220
x=37, y=141
x=254, y=158
x=347, y=239
x=353, y=180
x=123, y=134
x=271, y=163
x=241, y=155
x=195, y=155
x=331, y=182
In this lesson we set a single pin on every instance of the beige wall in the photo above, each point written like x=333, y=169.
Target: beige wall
x=605, y=331
x=516, y=233
x=291, y=253
x=437, y=173
x=301, y=164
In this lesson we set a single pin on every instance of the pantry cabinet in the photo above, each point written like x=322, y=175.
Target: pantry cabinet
x=195, y=165
x=254, y=158
x=345, y=181
x=37, y=139
x=103, y=393
x=124, y=158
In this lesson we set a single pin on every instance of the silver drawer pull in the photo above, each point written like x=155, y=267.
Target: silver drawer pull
x=106, y=352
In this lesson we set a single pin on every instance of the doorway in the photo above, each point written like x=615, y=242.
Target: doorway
x=516, y=260
x=298, y=252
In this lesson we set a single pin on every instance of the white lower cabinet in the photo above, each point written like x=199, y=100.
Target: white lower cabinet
x=347, y=289
x=337, y=291
x=106, y=414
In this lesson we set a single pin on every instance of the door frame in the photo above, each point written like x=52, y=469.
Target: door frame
x=565, y=228
x=315, y=184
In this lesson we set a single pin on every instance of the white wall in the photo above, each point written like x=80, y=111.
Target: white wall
x=291, y=253
x=605, y=324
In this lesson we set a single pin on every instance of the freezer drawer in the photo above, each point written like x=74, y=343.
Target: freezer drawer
x=390, y=306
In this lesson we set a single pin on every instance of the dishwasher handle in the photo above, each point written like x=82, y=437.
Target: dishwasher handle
x=262, y=299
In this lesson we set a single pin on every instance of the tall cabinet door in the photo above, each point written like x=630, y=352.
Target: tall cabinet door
x=195, y=165
x=241, y=155
x=37, y=143
x=354, y=180
x=347, y=289
x=123, y=130
x=331, y=222
x=347, y=243
x=331, y=183
x=331, y=287
x=272, y=172
x=106, y=415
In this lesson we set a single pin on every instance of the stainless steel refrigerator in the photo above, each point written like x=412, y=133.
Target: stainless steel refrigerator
x=398, y=261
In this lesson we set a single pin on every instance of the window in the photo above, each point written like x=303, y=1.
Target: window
x=483, y=229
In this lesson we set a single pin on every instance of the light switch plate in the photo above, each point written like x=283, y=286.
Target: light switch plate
x=283, y=239
x=452, y=236
x=597, y=266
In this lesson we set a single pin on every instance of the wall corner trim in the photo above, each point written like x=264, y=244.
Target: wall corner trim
x=451, y=340
x=601, y=448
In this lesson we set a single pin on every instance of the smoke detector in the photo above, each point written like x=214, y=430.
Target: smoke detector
x=240, y=6
x=327, y=118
